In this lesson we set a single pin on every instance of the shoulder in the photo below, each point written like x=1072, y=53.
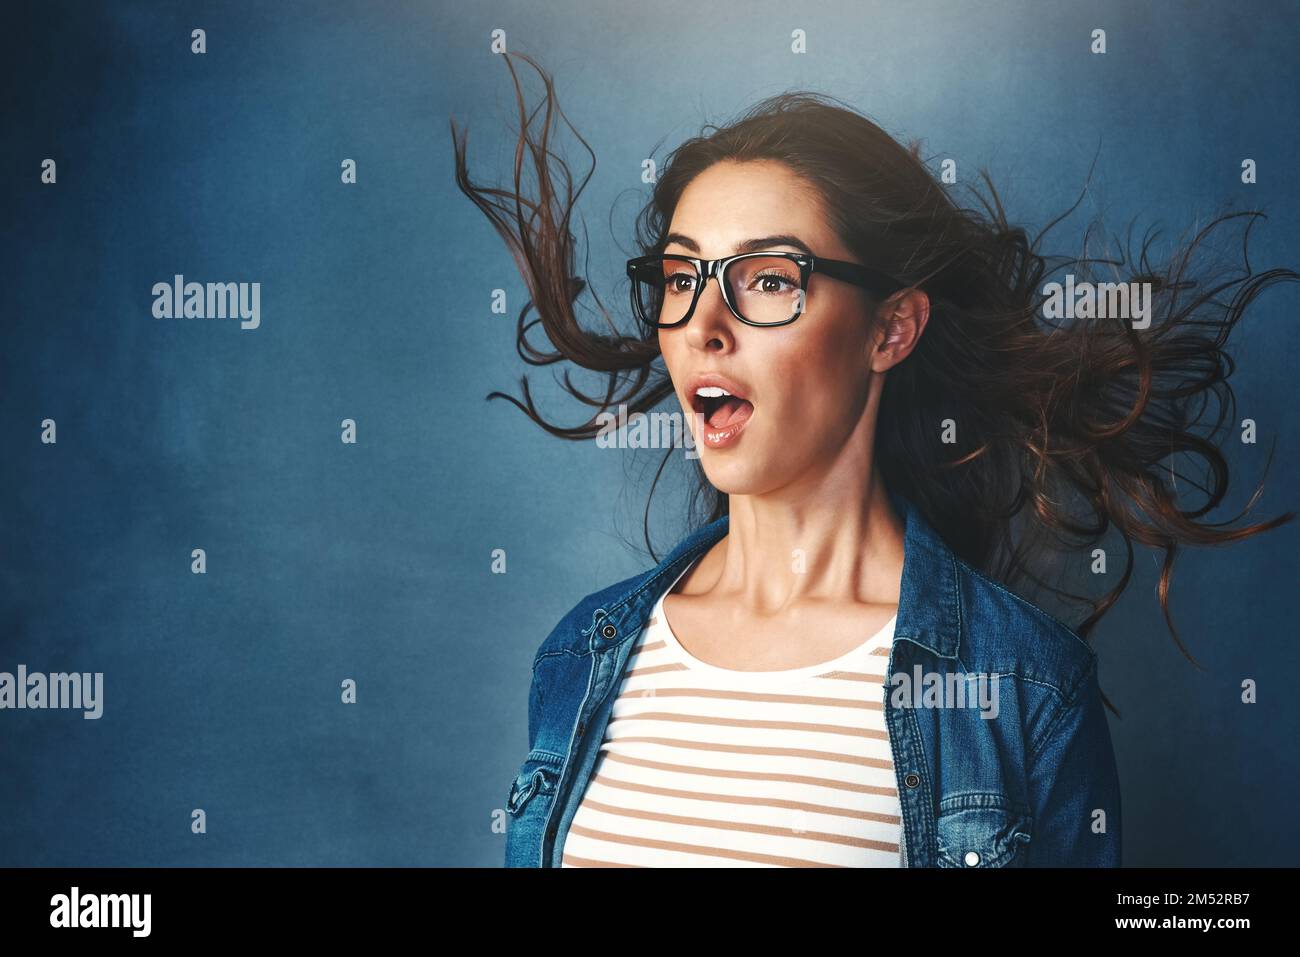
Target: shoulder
x=570, y=634
x=1004, y=633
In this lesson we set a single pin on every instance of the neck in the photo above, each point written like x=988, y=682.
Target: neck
x=826, y=540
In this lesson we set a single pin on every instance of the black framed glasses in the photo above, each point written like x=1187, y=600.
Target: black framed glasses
x=760, y=289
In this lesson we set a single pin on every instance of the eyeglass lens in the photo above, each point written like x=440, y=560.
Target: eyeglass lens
x=764, y=289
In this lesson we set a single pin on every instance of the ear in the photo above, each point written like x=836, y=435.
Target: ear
x=900, y=321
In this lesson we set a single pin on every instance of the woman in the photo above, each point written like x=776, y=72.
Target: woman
x=890, y=428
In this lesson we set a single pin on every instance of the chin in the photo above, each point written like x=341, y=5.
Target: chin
x=736, y=478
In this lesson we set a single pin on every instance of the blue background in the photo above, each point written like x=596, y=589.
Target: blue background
x=372, y=561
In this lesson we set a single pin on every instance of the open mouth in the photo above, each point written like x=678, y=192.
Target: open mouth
x=720, y=409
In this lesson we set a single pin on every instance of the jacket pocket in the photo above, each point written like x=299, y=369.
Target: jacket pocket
x=537, y=777
x=528, y=804
x=981, y=830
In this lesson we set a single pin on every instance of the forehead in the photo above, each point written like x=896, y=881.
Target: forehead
x=730, y=202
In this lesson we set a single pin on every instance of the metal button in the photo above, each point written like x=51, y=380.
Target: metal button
x=609, y=631
x=972, y=858
x=912, y=779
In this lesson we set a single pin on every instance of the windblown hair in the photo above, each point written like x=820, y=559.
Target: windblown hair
x=1064, y=430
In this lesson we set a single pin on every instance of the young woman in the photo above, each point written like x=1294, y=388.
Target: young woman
x=833, y=670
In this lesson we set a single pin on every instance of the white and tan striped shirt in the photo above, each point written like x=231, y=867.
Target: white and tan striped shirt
x=704, y=766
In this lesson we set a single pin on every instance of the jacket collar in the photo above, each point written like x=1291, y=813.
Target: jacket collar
x=929, y=604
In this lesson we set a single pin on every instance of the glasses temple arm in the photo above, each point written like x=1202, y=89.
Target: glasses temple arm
x=859, y=275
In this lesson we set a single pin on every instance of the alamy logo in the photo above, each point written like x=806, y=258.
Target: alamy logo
x=951, y=689
x=1103, y=300
x=213, y=300
x=639, y=430
x=102, y=910
x=57, y=690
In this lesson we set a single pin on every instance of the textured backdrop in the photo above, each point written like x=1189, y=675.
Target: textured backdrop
x=328, y=561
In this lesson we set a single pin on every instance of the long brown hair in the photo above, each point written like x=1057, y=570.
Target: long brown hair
x=1065, y=430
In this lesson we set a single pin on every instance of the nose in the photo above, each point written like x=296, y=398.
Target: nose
x=712, y=326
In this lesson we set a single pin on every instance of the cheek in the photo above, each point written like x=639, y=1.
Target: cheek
x=841, y=355
x=668, y=349
x=821, y=385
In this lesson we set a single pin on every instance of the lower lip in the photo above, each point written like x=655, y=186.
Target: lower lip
x=722, y=438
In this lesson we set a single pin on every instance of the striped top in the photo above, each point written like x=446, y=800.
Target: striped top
x=703, y=766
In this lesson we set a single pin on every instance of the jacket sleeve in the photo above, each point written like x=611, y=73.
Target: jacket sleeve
x=1074, y=785
x=523, y=839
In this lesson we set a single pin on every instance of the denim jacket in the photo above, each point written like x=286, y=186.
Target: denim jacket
x=1036, y=785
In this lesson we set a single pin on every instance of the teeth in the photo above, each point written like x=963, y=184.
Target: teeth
x=711, y=392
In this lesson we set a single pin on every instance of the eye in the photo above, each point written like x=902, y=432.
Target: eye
x=679, y=281
x=772, y=282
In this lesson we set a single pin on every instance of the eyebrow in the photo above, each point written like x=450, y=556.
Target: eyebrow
x=745, y=246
